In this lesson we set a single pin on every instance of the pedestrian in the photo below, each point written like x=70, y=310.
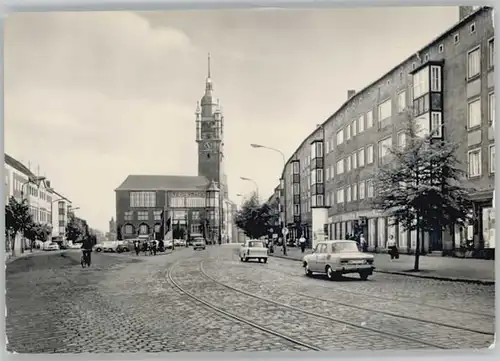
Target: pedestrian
x=302, y=242
x=284, y=246
x=393, y=248
x=137, y=247
x=362, y=241
x=87, y=248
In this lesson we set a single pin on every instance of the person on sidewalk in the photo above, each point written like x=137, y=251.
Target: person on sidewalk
x=87, y=249
x=302, y=242
x=364, y=244
x=393, y=248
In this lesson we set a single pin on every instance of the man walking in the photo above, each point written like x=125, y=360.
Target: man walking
x=302, y=242
x=87, y=249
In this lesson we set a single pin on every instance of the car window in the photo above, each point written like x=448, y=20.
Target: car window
x=343, y=247
x=255, y=244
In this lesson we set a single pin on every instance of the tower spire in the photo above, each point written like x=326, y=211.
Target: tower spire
x=209, y=65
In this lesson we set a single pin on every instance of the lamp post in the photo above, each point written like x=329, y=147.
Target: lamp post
x=254, y=182
x=283, y=187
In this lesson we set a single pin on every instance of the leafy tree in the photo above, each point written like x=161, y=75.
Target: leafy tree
x=74, y=229
x=37, y=231
x=420, y=186
x=254, y=218
x=17, y=219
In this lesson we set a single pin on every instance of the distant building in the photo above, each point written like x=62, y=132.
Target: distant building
x=195, y=204
x=61, y=206
x=450, y=85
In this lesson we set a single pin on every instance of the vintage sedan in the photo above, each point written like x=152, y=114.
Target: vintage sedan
x=336, y=258
x=199, y=243
x=253, y=249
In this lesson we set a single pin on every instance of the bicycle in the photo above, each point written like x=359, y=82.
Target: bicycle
x=85, y=261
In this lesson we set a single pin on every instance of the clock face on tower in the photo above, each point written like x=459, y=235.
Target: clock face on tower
x=207, y=145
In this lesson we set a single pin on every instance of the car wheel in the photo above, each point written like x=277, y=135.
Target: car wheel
x=260, y=260
x=364, y=275
x=330, y=273
x=98, y=249
x=246, y=259
x=307, y=270
x=265, y=260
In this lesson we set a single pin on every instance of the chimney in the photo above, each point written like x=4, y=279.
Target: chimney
x=47, y=182
x=350, y=94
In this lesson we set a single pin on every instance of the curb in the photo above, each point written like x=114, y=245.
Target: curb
x=437, y=278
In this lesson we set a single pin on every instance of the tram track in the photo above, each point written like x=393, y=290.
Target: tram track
x=232, y=316
x=364, y=294
x=372, y=311
x=329, y=326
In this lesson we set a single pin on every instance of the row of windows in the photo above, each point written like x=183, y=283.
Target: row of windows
x=474, y=117
x=475, y=161
x=40, y=215
x=144, y=215
x=353, y=161
x=353, y=192
x=474, y=59
x=190, y=202
x=142, y=199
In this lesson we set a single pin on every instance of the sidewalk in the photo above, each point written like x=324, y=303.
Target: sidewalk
x=431, y=267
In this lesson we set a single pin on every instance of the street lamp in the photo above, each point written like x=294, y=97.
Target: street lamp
x=254, y=182
x=283, y=188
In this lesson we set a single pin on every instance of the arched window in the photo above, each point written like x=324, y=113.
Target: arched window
x=129, y=229
x=157, y=227
x=143, y=229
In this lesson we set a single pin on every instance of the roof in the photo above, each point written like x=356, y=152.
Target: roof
x=163, y=182
x=60, y=195
x=14, y=163
x=453, y=28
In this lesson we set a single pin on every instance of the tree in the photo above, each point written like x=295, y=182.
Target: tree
x=17, y=219
x=74, y=228
x=420, y=186
x=254, y=218
x=37, y=231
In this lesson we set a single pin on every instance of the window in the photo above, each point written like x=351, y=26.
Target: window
x=473, y=62
x=340, y=166
x=327, y=173
x=369, y=154
x=354, y=161
x=340, y=195
x=361, y=124
x=348, y=194
x=472, y=28
x=348, y=132
x=361, y=157
x=142, y=199
x=331, y=172
x=142, y=215
x=369, y=119
x=401, y=101
x=413, y=66
x=456, y=38
x=327, y=147
x=143, y=229
x=340, y=136
x=436, y=124
x=383, y=147
x=421, y=83
x=157, y=215
x=362, y=188
x=129, y=229
x=195, y=202
x=369, y=190
x=296, y=188
x=426, y=57
x=475, y=163
x=491, y=109
x=318, y=147
x=349, y=163
x=492, y=158
x=178, y=202
x=435, y=78
x=195, y=215
x=129, y=216
x=491, y=53
x=401, y=139
x=474, y=113
x=354, y=128
x=441, y=48
x=318, y=200
x=296, y=209
x=296, y=168
x=384, y=110
x=355, y=192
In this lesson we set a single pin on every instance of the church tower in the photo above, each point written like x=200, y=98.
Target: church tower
x=210, y=137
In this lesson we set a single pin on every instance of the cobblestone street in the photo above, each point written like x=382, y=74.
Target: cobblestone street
x=210, y=301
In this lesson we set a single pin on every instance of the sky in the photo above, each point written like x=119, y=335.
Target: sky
x=92, y=97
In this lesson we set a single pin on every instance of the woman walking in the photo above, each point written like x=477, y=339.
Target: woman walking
x=393, y=248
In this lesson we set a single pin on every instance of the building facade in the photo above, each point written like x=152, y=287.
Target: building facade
x=61, y=207
x=449, y=86
x=195, y=204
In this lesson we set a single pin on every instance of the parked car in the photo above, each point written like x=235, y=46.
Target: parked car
x=253, y=249
x=169, y=244
x=52, y=246
x=338, y=257
x=199, y=243
x=72, y=245
x=106, y=247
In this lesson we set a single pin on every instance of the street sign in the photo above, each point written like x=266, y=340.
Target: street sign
x=284, y=231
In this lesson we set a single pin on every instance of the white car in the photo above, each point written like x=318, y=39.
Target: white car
x=179, y=243
x=335, y=258
x=106, y=247
x=74, y=245
x=253, y=249
x=51, y=246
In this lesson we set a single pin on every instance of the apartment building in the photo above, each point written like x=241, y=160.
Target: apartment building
x=61, y=206
x=449, y=84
